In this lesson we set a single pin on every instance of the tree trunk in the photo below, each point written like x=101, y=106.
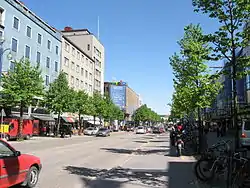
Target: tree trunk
x=79, y=124
x=20, y=124
x=58, y=124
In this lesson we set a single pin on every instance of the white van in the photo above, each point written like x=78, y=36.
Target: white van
x=245, y=134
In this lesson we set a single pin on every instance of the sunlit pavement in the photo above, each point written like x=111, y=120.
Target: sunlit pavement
x=123, y=160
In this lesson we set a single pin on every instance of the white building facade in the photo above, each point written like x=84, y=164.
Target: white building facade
x=89, y=44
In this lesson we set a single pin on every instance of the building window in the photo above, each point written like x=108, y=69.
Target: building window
x=90, y=76
x=86, y=74
x=72, y=65
x=46, y=80
x=14, y=45
x=12, y=65
x=86, y=86
x=47, y=62
x=82, y=85
x=56, y=66
x=1, y=33
x=82, y=71
x=66, y=61
x=77, y=82
x=49, y=45
x=27, y=51
x=73, y=51
x=16, y=23
x=77, y=68
x=38, y=58
x=88, y=46
x=1, y=16
x=72, y=80
x=57, y=50
x=82, y=59
x=90, y=88
x=78, y=55
x=28, y=31
x=39, y=38
x=67, y=46
x=67, y=76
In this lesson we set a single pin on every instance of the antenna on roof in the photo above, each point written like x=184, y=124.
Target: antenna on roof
x=98, y=28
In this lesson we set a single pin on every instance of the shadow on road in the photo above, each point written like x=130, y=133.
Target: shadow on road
x=115, y=178
x=136, y=151
x=140, y=141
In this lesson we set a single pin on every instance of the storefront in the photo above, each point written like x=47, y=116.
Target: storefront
x=46, y=124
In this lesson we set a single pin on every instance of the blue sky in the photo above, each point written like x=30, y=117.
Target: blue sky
x=139, y=37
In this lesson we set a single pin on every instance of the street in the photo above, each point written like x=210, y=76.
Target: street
x=123, y=160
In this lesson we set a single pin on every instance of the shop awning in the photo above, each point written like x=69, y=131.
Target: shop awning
x=18, y=116
x=92, y=122
x=69, y=119
x=44, y=117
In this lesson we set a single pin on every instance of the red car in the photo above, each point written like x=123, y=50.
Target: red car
x=17, y=168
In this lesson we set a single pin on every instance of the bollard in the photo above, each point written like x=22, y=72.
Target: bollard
x=230, y=165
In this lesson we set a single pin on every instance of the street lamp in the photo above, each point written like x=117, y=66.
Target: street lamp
x=2, y=51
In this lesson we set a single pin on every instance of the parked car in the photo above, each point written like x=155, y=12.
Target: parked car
x=90, y=131
x=158, y=130
x=245, y=134
x=103, y=132
x=141, y=130
x=149, y=130
x=17, y=168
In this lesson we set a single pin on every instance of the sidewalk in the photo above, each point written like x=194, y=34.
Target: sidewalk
x=213, y=139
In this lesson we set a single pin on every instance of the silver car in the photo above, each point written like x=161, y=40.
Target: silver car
x=245, y=134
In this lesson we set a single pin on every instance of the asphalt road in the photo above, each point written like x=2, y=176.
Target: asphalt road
x=123, y=160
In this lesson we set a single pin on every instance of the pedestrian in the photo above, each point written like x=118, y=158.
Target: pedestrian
x=218, y=129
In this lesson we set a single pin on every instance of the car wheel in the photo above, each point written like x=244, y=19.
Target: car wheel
x=7, y=137
x=32, y=177
x=27, y=137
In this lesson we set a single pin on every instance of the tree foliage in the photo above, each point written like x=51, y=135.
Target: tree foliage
x=20, y=86
x=194, y=86
x=233, y=33
x=145, y=114
x=58, y=97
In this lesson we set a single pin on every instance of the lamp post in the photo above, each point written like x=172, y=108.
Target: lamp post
x=9, y=56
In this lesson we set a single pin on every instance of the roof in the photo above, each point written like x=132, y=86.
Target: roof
x=77, y=30
x=77, y=47
x=33, y=14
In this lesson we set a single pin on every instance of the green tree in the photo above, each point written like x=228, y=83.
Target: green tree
x=144, y=114
x=232, y=15
x=194, y=86
x=58, y=97
x=98, y=106
x=79, y=104
x=20, y=86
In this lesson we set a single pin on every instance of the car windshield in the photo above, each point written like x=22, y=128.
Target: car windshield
x=247, y=125
x=90, y=128
x=4, y=150
x=140, y=127
x=102, y=129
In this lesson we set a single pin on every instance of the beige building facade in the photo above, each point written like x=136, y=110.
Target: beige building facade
x=132, y=101
x=89, y=44
x=78, y=66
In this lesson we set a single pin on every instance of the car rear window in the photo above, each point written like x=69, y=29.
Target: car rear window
x=247, y=125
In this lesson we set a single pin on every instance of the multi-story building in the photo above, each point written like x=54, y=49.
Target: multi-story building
x=78, y=66
x=94, y=49
x=28, y=36
x=123, y=96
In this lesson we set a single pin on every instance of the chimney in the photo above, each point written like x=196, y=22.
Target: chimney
x=22, y=3
x=68, y=28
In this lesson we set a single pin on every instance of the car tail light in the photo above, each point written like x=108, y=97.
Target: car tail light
x=243, y=135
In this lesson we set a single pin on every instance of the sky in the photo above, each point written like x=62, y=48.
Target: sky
x=139, y=36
